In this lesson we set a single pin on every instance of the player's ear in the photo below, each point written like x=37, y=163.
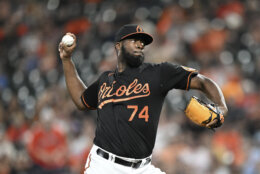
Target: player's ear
x=118, y=46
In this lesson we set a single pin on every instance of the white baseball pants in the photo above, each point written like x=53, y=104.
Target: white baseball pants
x=98, y=165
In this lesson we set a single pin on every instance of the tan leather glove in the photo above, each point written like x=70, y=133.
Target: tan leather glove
x=202, y=114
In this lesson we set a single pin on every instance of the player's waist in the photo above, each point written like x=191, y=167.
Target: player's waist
x=129, y=162
x=133, y=146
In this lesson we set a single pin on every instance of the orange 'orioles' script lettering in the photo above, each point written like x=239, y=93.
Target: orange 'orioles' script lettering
x=135, y=88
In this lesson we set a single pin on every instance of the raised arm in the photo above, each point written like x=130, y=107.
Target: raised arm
x=212, y=91
x=74, y=84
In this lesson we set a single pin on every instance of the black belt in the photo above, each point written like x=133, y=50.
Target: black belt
x=121, y=161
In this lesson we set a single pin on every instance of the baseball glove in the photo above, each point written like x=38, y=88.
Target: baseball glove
x=202, y=114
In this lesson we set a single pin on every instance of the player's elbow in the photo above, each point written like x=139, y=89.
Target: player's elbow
x=81, y=107
x=224, y=110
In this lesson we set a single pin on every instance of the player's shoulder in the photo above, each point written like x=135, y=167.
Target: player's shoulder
x=158, y=65
x=104, y=75
x=168, y=64
x=149, y=66
x=175, y=65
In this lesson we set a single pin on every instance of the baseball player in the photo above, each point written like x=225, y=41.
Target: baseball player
x=129, y=100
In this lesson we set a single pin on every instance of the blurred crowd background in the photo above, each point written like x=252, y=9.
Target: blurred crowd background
x=42, y=132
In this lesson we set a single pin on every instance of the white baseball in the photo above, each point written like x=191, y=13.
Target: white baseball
x=67, y=40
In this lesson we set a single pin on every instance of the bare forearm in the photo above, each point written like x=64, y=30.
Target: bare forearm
x=212, y=91
x=74, y=84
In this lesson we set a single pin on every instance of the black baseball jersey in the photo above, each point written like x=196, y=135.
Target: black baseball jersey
x=129, y=105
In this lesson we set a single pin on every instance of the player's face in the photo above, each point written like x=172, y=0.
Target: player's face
x=132, y=52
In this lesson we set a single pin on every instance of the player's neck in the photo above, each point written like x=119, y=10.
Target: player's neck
x=121, y=66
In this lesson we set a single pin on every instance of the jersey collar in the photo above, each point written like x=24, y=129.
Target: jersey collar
x=129, y=70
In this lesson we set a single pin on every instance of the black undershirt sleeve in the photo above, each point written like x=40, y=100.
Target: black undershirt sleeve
x=175, y=77
x=90, y=96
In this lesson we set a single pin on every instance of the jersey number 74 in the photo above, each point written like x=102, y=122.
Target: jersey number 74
x=143, y=114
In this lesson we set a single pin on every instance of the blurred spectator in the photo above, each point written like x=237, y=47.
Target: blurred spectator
x=197, y=156
x=81, y=143
x=228, y=149
x=48, y=145
x=17, y=128
x=253, y=162
x=7, y=153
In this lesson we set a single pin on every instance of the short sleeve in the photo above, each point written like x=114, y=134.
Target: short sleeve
x=176, y=76
x=90, y=96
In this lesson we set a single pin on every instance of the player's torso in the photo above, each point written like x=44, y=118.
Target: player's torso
x=129, y=105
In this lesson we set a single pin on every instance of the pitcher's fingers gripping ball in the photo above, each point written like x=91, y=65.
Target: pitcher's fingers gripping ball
x=67, y=45
x=68, y=40
x=202, y=114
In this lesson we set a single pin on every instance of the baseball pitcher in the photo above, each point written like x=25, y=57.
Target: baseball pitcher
x=129, y=100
